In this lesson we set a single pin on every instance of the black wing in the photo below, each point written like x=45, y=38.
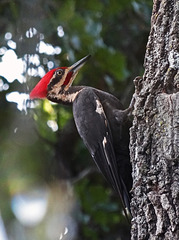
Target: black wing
x=94, y=129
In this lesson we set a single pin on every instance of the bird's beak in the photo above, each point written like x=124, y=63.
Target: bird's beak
x=76, y=66
x=73, y=70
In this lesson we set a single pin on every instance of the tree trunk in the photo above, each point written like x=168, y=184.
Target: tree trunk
x=155, y=132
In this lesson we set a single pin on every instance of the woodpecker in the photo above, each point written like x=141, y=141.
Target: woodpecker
x=101, y=121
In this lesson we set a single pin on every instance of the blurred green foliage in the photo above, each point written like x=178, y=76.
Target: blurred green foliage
x=31, y=150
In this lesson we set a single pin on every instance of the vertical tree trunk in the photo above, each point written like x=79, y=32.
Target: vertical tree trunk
x=155, y=131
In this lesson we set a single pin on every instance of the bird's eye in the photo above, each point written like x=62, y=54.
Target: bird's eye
x=59, y=72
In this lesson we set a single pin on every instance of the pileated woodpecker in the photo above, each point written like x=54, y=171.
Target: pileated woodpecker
x=100, y=120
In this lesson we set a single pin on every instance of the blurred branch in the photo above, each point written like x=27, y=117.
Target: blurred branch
x=83, y=174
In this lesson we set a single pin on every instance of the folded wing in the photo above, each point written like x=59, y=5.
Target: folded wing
x=94, y=129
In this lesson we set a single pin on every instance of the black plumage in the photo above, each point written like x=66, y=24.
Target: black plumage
x=106, y=136
x=104, y=127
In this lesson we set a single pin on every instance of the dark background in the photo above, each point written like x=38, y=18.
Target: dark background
x=41, y=155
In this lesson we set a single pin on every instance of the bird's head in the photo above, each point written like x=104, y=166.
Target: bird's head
x=57, y=79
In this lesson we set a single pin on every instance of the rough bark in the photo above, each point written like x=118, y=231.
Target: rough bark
x=155, y=132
